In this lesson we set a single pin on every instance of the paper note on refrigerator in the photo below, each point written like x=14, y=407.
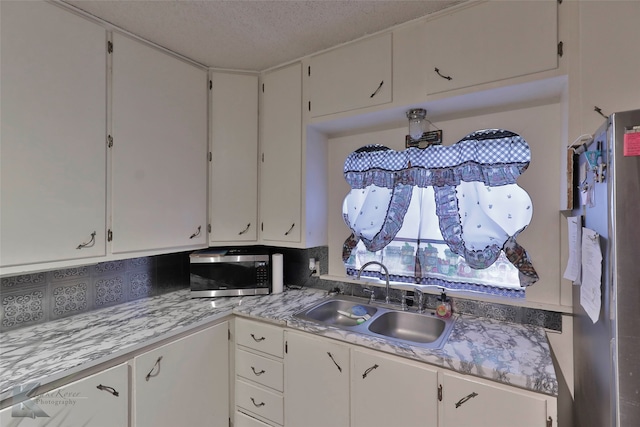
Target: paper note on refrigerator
x=631, y=142
x=572, y=272
x=590, y=291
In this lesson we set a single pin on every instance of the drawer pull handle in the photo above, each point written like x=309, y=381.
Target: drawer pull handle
x=464, y=399
x=334, y=361
x=108, y=389
x=197, y=233
x=245, y=230
x=90, y=243
x=289, y=230
x=257, y=339
x=257, y=405
x=151, y=374
x=441, y=75
x=369, y=371
x=257, y=373
x=377, y=90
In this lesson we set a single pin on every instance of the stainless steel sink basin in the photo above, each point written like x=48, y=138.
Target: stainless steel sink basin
x=408, y=326
x=423, y=330
x=328, y=312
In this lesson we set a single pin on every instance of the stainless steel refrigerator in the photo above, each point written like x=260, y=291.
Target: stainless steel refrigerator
x=607, y=353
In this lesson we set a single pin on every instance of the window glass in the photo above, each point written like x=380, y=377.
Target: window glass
x=444, y=215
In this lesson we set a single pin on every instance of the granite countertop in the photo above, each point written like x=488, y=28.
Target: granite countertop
x=514, y=354
x=510, y=353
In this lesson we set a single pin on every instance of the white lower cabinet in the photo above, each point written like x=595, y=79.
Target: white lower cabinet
x=468, y=402
x=387, y=390
x=244, y=420
x=260, y=401
x=328, y=383
x=100, y=400
x=184, y=383
x=316, y=374
x=259, y=381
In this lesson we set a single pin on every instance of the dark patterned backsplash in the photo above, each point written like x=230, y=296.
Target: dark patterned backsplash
x=40, y=297
x=548, y=319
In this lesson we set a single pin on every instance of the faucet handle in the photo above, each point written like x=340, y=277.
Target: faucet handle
x=372, y=297
x=403, y=300
x=418, y=298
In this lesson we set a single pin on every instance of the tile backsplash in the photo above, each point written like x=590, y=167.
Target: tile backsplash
x=297, y=263
x=39, y=297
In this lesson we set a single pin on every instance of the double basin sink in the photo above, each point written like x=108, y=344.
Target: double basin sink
x=418, y=329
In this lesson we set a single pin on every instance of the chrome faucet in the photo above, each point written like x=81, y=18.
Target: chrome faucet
x=387, y=300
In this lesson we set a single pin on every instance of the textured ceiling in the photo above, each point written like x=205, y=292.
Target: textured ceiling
x=254, y=35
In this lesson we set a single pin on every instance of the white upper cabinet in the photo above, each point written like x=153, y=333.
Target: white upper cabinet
x=609, y=59
x=233, y=205
x=281, y=159
x=350, y=77
x=489, y=42
x=411, y=64
x=53, y=162
x=159, y=163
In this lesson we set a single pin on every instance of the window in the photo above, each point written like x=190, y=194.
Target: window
x=445, y=215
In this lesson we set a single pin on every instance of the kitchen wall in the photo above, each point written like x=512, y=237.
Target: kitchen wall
x=541, y=127
x=297, y=274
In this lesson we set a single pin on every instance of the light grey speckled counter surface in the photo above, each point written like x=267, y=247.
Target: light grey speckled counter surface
x=514, y=354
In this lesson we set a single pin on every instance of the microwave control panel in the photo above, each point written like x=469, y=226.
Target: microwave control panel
x=262, y=273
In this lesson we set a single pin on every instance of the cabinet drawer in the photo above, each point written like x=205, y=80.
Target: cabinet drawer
x=244, y=420
x=260, y=369
x=260, y=401
x=259, y=336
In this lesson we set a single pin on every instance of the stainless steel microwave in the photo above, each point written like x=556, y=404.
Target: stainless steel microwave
x=229, y=272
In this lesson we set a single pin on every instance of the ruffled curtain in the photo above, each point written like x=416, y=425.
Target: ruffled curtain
x=445, y=215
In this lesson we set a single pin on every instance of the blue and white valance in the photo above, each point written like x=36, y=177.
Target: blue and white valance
x=462, y=199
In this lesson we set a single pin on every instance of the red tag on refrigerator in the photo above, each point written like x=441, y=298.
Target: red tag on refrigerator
x=631, y=144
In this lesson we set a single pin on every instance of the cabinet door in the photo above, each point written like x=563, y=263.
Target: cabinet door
x=354, y=76
x=411, y=64
x=100, y=400
x=280, y=172
x=159, y=163
x=473, y=402
x=184, y=383
x=609, y=59
x=316, y=391
x=233, y=207
x=380, y=382
x=52, y=133
x=491, y=41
